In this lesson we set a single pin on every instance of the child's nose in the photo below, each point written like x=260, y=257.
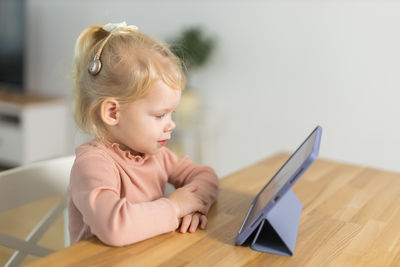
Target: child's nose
x=170, y=126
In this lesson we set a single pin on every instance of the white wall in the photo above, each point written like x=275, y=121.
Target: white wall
x=280, y=68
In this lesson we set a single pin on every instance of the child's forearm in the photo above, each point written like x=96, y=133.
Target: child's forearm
x=117, y=222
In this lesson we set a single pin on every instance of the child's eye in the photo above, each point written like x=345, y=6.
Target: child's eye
x=160, y=116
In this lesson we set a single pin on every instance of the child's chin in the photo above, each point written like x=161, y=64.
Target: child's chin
x=153, y=151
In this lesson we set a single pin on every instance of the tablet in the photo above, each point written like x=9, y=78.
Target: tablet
x=279, y=184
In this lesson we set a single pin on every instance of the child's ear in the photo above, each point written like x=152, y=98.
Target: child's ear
x=109, y=111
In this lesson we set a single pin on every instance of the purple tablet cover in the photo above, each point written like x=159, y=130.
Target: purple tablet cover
x=274, y=191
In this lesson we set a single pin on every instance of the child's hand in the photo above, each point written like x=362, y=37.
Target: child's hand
x=193, y=220
x=186, y=202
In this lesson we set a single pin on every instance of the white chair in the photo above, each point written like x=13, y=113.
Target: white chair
x=30, y=183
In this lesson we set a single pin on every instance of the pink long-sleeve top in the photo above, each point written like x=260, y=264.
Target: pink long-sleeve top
x=119, y=197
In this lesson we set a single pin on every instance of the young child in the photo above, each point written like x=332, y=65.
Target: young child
x=126, y=87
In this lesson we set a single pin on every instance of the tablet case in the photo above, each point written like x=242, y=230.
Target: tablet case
x=277, y=233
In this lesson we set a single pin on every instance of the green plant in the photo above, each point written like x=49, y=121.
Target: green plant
x=192, y=48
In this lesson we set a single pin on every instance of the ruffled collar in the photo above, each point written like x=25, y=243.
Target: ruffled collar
x=127, y=155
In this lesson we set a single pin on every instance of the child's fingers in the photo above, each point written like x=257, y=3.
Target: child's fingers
x=203, y=222
x=186, y=223
x=203, y=200
x=202, y=209
x=191, y=187
x=200, y=201
x=195, y=223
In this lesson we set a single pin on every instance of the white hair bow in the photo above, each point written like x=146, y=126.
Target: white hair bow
x=119, y=27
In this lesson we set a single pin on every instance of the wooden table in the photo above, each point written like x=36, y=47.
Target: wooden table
x=351, y=217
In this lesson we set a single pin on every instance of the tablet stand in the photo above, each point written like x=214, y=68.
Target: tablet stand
x=277, y=233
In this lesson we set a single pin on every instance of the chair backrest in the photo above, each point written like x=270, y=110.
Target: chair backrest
x=27, y=184
x=34, y=181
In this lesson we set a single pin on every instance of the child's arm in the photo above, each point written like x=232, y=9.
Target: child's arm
x=96, y=191
x=183, y=172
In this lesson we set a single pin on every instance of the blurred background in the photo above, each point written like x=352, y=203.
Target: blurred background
x=277, y=69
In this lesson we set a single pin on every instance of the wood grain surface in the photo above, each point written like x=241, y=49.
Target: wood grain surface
x=350, y=217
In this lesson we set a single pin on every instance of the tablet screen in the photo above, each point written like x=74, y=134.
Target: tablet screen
x=288, y=171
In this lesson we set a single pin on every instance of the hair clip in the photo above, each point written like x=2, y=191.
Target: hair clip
x=94, y=65
x=118, y=27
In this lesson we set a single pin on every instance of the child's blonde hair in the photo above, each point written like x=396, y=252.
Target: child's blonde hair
x=131, y=63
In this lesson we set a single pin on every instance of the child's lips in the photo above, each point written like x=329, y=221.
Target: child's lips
x=162, y=142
